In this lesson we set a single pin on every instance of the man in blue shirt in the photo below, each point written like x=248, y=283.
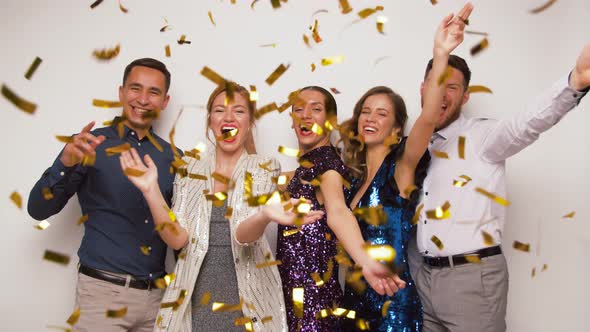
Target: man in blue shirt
x=121, y=253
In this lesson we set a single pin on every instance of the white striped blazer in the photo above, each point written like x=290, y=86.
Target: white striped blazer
x=261, y=288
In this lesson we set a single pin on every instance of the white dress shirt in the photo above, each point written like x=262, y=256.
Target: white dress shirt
x=488, y=143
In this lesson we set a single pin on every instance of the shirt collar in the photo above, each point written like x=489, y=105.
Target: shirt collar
x=126, y=130
x=451, y=130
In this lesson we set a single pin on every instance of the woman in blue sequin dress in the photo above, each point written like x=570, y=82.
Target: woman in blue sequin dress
x=388, y=170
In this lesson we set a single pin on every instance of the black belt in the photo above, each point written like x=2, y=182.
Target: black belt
x=463, y=258
x=114, y=279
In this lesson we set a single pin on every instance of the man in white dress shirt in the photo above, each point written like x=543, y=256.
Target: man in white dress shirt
x=463, y=279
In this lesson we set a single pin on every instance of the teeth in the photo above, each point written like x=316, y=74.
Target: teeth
x=141, y=110
x=369, y=129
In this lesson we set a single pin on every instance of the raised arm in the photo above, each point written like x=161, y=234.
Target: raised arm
x=146, y=180
x=449, y=35
x=512, y=135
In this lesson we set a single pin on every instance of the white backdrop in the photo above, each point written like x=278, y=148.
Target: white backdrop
x=526, y=54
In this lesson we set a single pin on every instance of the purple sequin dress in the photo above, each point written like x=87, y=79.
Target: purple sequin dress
x=310, y=250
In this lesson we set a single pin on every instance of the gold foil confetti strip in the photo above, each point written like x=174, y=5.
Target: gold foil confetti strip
x=107, y=53
x=56, y=257
x=313, y=67
x=183, y=40
x=133, y=172
x=380, y=252
x=542, y=7
x=329, y=271
x=123, y=9
x=445, y=75
x=106, y=103
x=288, y=151
x=248, y=183
x=145, y=250
x=223, y=307
x=440, y=154
x=372, y=215
x=167, y=51
x=178, y=163
x=381, y=20
x=521, y=246
x=165, y=28
x=493, y=196
x=441, y=212
x=315, y=34
x=344, y=6
x=354, y=281
x=339, y=312
x=478, y=88
x=159, y=321
x=332, y=60
x=570, y=215
x=437, y=242
x=417, y=214
x=266, y=319
x=280, y=180
x=227, y=135
x=473, y=259
x=461, y=147
x=242, y=321
x=171, y=214
x=33, y=68
x=42, y=225
x=362, y=324
x=280, y=70
x=273, y=45
x=317, y=129
x=88, y=160
x=117, y=313
x=289, y=232
x=267, y=264
x=205, y=299
x=217, y=198
x=212, y=76
x=464, y=179
x=22, y=104
x=488, y=239
x=228, y=212
x=154, y=142
x=253, y=93
x=95, y=3
x=433, y=2
x=479, y=47
x=369, y=11
x=385, y=307
x=164, y=282
x=265, y=109
x=210, y=14
x=317, y=279
x=544, y=267
x=175, y=304
x=306, y=163
x=298, y=297
x=73, y=319
x=16, y=199
x=533, y=272
x=82, y=219
x=182, y=255
x=47, y=194
x=306, y=40
x=276, y=3
x=220, y=177
x=65, y=139
x=409, y=190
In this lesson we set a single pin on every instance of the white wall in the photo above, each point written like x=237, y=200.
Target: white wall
x=526, y=54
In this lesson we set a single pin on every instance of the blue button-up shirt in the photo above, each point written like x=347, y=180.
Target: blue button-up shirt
x=119, y=220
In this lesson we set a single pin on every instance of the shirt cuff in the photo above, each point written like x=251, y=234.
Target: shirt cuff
x=58, y=172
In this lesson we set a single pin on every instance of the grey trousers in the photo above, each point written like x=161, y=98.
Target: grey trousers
x=465, y=298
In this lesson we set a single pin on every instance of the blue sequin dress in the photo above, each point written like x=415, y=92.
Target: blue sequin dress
x=404, y=314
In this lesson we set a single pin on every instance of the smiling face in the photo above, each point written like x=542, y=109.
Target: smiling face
x=454, y=98
x=143, y=96
x=309, y=108
x=226, y=117
x=377, y=119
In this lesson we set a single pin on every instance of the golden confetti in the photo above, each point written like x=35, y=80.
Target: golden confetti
x=433, y=2
x=165, y=28
x=381, y=20
x=211, y=18
x=33, y=68
x=227, y=135
x=385, y=308
x=217, y=198
x=117, y=149
x=107, y=53
x=73, y=319
x=56, y=257
x=228, y=212
x=478, y=88
x=332, y=60
x=544, y=267
x=533, y=272
x=164, y=282
x=479, y=47
x=437, y=241
x=461, y=147
x=65, y=139
x=183, y=40
x=410, y=189
x=369, y=11
x=362, y=324
x=445, y=75
x=329, y=271
x=441, y=212
x=380, y=252
x=265, y=109
x=82, y=219
x=167, y=51
x=95, y=3
x=298, y=296
x=317, y=279
x=16, y=199
x=175, y=304
x=242, y=321
x=118, y=313
x=288, y=151
x=212, y=76
x=493, y=197
x=312, y=67
x=521, y=246
x=306, y=163
x=315, y=34
x=42, y=225
x=205, y=299
x=372, y=215
x=123, y=9
x=289, y=232
x=488, y=239
x=543, y=7
x=20, y=103
x=281, y=69
x=266, y=319
x=223, y=307
x=570, y=215
x=344, y=7
x=220, y=178
x=473, y=259
x=133, y=172
x=417, y=214
x=47, y=194
x=464, y=179
x=267, y=264
x=440, y=154
x=145, y=250
x=106, y=103
x=273, y=45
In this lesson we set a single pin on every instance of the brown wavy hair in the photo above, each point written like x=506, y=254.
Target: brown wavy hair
x=355, y=157
x=236, y=88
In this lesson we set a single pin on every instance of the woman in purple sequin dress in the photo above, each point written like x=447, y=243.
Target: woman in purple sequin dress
x=310, y=250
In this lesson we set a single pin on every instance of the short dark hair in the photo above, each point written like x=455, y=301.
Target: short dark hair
x=458, y=63
x=150, y=63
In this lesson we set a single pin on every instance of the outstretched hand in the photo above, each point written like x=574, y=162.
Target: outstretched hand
x=449, y=33
x=580, y=78
x=83, y=145
x=288, y=217
x=380, y=278
x=143, y=175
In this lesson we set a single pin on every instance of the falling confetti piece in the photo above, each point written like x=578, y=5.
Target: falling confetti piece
x=119, y=313
x=242, y=321
x=266, y=319
x=82, y=219
x=107, y=53
x=464, y=179
x=267, y=264
x=312, y=67
x=471, y=32
x=440, y=154
x=570, y=215
x=123, y=9
x=533, y=272
x=433, y=2
x=543, y=7
x=478, y=89
x=164, y=282
x=33, y=68
x=445, y=75
x=228, y=212
x=281, y=69
x=493, y=197
x=369, y=11
x=488, y=240
x=335, y=91
x=183, y=40
x=56, y=257
x=47, y=194
x=275, y=4
x=317, y=279
x=253, y=93
x=227, y=135
x=461, y=147
x=332, y=60
x=133, y=172
x=95, y=3
x=20, y=103
x=106, y=103
x=165, y=28
x=544, y=267
x=298, y=296
x=288, y=151
x=417, y=214
x=372, y=215
x=479, y=47
x=362, y=324
x=117, y=149
x=145, y=250
x=211, y=18
x=344, y=7
x=273, y=45
x=212, y=76
x=175, y=304
x=437, y=242
x=521, y=246
x=473, y=259
x=381, y=20
x=154, y=142
x=223, y=307
x=73, y=319
x=64, y=139
x=380, y=252
x=289, y=232
x=16, y=199
x=205, y=299
x=167, y=51
x=441, y=212
x=42, y=225
x=384, y=308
